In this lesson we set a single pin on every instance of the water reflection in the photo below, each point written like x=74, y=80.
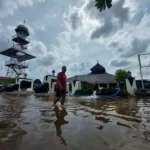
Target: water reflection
x=60, y=115
x=100, y=127
x=103, y=119
x=147, y=135
x=124, y=125
x=127, y=107
x=31, y=121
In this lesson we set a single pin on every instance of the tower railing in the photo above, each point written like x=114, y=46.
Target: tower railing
x=23, y=48
x=15, y=62
x=20, y=36
x=18, y=53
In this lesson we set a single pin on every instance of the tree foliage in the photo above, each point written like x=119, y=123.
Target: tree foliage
x=121, y=75
x=102, y=4
x=8, y=80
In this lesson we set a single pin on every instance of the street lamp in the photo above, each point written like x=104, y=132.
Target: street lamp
x=140, y=66
x=141, y=70
x=53, y=72
x=25, y=75
x=1, y=68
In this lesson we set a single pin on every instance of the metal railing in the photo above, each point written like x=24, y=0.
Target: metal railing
x=15, y=62
x=20, y=36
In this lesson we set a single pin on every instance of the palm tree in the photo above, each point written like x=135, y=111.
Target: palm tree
x=101, y=4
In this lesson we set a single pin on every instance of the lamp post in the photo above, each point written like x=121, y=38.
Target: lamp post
x=53, y=72
x=140, y=66
x=25, y=75
x=1, y=68
x=141, y=71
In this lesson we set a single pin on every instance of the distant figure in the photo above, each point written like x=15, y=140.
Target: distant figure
x=61, y=86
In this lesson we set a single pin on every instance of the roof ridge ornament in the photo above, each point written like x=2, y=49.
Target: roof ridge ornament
x=24, y=22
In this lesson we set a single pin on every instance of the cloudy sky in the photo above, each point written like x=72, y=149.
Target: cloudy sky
x=74, y=33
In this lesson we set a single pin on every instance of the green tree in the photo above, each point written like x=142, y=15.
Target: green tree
x=121, y=75
x=102, y=4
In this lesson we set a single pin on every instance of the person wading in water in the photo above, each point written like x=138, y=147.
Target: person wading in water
x=61, y=86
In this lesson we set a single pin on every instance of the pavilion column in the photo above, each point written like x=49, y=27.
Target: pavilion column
x=107, y=85
x=32, y=83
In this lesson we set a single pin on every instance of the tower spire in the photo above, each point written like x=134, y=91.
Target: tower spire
x=97, y=61
x=24, y=22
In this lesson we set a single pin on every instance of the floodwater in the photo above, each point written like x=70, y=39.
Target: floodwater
x=85, y=123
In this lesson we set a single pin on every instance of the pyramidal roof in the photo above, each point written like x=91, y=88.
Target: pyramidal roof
x=97, y=69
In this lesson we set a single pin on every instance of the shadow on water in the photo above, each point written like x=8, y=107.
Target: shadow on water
x=60, y=115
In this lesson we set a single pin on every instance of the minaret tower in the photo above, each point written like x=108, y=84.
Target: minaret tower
x=18, y=53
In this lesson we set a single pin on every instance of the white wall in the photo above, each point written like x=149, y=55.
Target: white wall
x=131, y=89
x=75, y=87
x=49, y=80
x=52, y=90
x=28, y=89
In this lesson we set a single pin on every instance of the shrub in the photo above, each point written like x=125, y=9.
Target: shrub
x=142, y=92
x=84, y=92
x=123, y=93
x=106, y=91
x=87, y=85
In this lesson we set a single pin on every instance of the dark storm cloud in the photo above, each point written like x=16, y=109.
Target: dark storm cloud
x=3, y=44
x=90, y=5
x=118, y=11
x=119, y=63
x=4, y=41
x=114, y=44
x=80, y=67
x=138, y=46
x=138, y=17
x=120, y=50
x=74, y=19
x=9, y=7
x=103, y=31
x=47, y=60
x=1, y=4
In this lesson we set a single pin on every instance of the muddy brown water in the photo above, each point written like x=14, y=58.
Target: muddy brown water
x=85, y=123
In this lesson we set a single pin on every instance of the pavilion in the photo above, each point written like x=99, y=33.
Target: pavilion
x=97, y=75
